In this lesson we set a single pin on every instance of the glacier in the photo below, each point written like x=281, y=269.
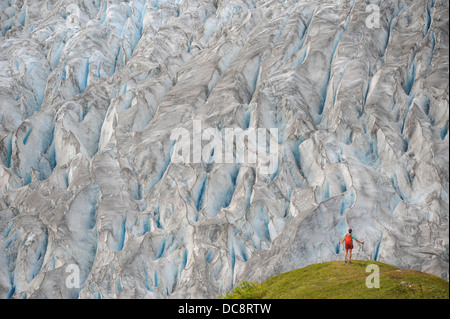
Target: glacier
x=91, y=91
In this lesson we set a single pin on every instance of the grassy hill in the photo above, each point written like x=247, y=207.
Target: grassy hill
x=336, y=280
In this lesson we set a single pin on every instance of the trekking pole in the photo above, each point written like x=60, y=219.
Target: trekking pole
x=362, y=245
x=359, y=250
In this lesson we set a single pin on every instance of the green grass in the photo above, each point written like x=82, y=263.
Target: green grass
x=338, y=280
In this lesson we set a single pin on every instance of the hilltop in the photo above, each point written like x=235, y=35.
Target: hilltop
x=336, y=280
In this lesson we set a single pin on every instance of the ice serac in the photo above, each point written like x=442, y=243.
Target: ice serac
x=91, y=91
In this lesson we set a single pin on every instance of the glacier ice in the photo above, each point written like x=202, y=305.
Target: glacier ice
x=91, y=92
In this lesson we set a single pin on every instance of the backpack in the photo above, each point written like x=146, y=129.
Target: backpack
x=348, y=239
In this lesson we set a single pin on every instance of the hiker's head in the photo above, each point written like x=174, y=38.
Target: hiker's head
x=350, y=230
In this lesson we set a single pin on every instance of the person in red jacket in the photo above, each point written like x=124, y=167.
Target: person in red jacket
x=349, y=244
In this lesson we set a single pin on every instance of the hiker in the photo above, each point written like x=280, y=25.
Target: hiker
x=349, y=244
